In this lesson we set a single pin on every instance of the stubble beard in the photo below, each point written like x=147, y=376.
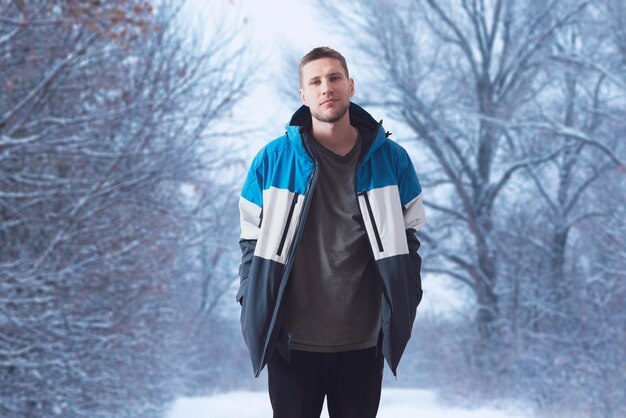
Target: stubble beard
x=331, y=117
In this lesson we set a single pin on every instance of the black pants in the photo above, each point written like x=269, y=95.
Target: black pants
x=351, y=381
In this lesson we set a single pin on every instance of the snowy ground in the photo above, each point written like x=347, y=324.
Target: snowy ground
x=395, y=403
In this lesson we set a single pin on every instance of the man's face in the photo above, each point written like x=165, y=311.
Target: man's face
x=326, y=90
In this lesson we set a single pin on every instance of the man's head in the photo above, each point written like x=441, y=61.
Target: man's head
x=325, y=86
x=322, y=52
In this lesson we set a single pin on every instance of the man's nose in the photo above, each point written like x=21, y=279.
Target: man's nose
x=325, y=87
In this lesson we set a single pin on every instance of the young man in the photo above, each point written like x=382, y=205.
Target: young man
x=330, y=274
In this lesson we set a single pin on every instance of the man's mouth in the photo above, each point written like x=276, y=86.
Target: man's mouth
x=328, y=101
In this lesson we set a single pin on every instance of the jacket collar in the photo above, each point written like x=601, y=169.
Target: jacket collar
x=358, y=118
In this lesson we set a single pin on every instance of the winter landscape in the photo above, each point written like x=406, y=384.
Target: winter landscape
x=127, y=128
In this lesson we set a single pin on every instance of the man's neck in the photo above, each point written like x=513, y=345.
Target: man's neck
x=339, y=137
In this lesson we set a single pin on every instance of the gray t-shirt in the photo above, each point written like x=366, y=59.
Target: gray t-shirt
x=333, y=298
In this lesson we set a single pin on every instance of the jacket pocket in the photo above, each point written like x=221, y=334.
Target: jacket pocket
x=283, y=237
x=379, y=242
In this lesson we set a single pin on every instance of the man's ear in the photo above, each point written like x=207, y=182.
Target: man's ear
x=302, y=96
x=351, y=87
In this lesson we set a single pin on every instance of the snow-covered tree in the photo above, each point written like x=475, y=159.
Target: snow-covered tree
x=517, y=113
x=108, y=229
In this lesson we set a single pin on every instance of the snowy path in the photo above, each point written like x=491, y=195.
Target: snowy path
x=395, y=403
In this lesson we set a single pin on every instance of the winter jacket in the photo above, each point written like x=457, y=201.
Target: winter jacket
x=273, y=207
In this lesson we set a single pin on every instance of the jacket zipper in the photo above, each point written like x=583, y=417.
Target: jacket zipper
x=369, y=209
x=371, y=215
x=290, y=259
x=284, y=237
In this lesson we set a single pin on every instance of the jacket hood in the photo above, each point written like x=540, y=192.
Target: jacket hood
x=358, y=118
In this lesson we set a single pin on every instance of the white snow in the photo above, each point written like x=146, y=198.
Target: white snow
x=395, y=403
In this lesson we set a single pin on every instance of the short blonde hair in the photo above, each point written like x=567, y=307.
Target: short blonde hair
x=322, y=52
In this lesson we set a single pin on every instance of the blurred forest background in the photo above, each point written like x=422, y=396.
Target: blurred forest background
x=119, y=184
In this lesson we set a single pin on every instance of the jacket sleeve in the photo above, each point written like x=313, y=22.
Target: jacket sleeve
x=250, y=215
x=413, y=212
